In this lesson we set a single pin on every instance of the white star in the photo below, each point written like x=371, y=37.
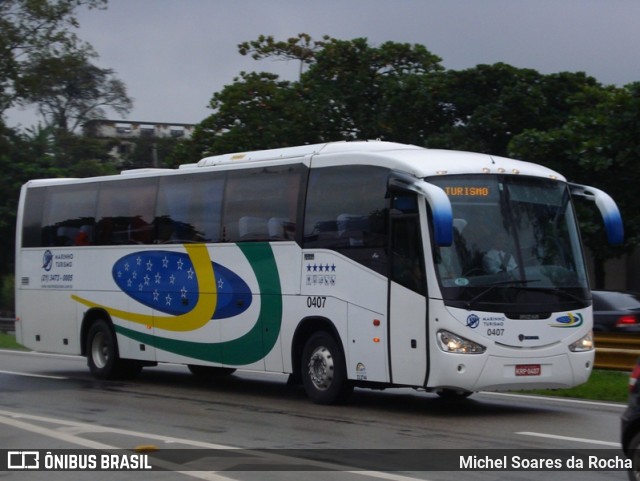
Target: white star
x=190, y=273
x=156, y=295
x=168, y=300
x=165, y=262
x=158, y=278
x=180, y=263
x=220, y=284
x=146, y=279
x=172, y=279
x=149, y=265
x=139, y=260
x=184, y=292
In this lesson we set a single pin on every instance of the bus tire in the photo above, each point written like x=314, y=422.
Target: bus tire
x=324, y=374
x=102, y=350
x=102, y=354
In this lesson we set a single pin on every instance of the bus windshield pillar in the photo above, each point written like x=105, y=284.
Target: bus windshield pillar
x=438, y=201
x=608, y=209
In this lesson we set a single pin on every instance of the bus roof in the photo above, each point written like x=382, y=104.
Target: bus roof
x=418, y=161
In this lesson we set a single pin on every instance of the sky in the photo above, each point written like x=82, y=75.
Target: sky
x=174, y=54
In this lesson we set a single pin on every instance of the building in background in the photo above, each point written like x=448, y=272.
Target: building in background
x=136, y=144
x=118, y=129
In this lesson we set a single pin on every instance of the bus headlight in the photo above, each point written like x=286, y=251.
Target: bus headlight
x=583, y=344
x=450, y=342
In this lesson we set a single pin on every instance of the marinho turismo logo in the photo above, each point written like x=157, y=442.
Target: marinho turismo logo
x=570, y=320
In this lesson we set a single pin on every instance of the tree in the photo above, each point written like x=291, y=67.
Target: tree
x=258, y=111
x=69, y=90
x=490, y=104
x=395, y=91
x=34, y=28
x=350, y=90
x=364, y=92
x=598, y=144
x=301, y=48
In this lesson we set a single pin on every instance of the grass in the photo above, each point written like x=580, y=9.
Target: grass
x=601, y=386
x=8, y=341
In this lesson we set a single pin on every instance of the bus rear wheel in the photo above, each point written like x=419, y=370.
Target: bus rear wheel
x=102, y=354
x=324, y=374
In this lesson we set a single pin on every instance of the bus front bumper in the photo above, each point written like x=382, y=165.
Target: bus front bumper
x=500, y=373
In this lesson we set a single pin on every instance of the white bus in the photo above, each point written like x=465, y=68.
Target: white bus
x=369, y=264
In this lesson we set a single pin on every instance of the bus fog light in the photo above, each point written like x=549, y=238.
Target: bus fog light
x=583, y=344
x=450, y=342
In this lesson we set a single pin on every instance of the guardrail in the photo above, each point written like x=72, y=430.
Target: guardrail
x=617, y=350
x=7, y=324
x=614, y=350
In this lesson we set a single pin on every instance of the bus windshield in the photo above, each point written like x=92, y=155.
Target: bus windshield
x=516, y=246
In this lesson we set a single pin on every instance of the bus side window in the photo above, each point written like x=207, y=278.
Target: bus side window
x=262, y=204
x=68, y=216
x=407, y=262
x=125, y=212
x=280, y=228
x=189, y=208
x=347, y=211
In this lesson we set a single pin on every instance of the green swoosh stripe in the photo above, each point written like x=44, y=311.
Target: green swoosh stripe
x=250, y=347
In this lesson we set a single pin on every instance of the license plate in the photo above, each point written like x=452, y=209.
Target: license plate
x=528, y=370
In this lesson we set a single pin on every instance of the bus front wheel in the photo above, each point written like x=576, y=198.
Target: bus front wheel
x=324, y=374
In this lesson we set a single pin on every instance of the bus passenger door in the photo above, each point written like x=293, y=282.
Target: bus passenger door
x=407, y=301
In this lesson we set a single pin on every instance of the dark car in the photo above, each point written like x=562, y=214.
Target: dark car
x=616, y=311
x=631, y=424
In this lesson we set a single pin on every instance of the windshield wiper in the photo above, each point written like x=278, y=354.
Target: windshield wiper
x=491, y=287
x=564, y=292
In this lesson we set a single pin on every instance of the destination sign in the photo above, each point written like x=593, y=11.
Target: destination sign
x=469, y=191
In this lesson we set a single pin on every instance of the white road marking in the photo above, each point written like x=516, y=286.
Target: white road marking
x=12, y=419
x=40, y=354
x=558, y=399
x=26, y=374
x=67, y=428
x=569, y=438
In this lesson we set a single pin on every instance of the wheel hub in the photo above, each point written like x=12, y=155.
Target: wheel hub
x=100, y=350
x=321, y=368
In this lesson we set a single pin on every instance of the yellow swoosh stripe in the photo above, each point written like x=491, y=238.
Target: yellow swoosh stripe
x=200, y=315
